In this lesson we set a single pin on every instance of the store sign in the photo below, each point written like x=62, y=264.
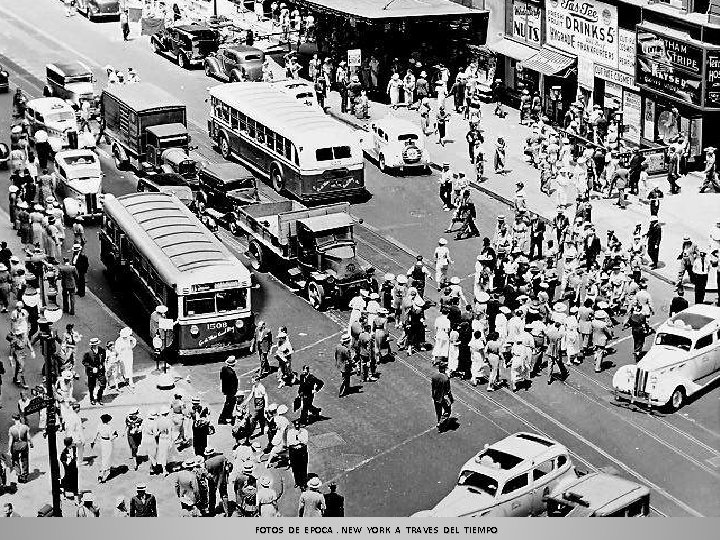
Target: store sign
x=613, y=96
x=354, y=57
x=670, y=51
x=527, y=19
x=669, y=80
x=712, y=79
x=632, y=115
x=627, y=49
x=584, y=28
x=614, y=76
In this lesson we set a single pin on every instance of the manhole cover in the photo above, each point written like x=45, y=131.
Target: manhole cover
x=326, y=440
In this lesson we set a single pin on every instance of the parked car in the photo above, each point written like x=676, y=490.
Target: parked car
x=235, y=63
x=598, y=494
x=4, y=81
x=71, y=81
x=56, y=117
x=79, y=183
x=188, y=44
x=171, y=183
x=509, y=478
x=684, y=359
x=396, y=144
x=96, y=9
x=301, y=90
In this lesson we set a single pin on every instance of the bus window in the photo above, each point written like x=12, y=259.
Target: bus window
x=261, y=133
x=270, y=139
x=242, y=121
x=251, y=127
x=341, y=152
x=232, y=300
x=199, y=304
x=323, y=154
x=233, y=119
x=288, y=149
x=336, y=152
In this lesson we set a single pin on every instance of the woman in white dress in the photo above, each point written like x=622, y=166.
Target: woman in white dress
x=478, y=367
x=572, y=336
x=105, y=436
x=124, y=346
x=148, y=444
x=393, y=90
x=453, y=353
x=441, y=349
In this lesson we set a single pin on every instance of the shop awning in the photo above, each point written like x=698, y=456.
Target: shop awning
x=383, y=9
x=549, y=61
x=512, y=49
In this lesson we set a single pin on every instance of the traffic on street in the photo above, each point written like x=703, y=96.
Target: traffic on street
x=245, y=272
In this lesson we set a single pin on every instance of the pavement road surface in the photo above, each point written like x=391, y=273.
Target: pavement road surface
x=380, y=443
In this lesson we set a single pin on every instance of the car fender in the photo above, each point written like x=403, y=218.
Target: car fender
x=624, y=377
x=71, y=207
x=212, y=64
x=667, y=384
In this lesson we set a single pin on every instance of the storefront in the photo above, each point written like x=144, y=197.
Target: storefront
x=679, y=77
x=558, y=80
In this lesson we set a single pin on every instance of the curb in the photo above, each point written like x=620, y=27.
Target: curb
x=500, y=198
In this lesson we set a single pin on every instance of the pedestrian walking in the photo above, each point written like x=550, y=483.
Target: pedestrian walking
x=262, y=343
x=105, y=436
x=201, y=428
x=143, y=504
x=148, y=440
x=19, y=444
x=279, y=439
x=334, y=502
x=68, y=278
x=307, y=388
x=267, y=498
x=700, y=274
x=600, y=337
x=88, y=509
x=69, y=463
x=343, y=363
x=124, y=346
x=442, y=262
x=165, y=441
x=134, y=433
x=217, y=468
x=441, y=395
x=297, y=443
x=442, y=119
x=95, y=369
x=82, y=265
x=673, y=164
x=229, y=388
x=125, y=24
x=654, y=235
x=499, y=161
x=283, y=354
x=312, y=502
x=19, y=347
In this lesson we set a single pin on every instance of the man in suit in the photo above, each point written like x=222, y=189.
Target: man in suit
x=262, y=343
x=334, y=502
x=654, y=235
x=82, y=265
x=308, y=387
x=229, y=387
x=343, y=362
x=68, y=278
x=217, y=465
x=441, y=395
x=593, y=247
x=143, y=504
x=94, y=362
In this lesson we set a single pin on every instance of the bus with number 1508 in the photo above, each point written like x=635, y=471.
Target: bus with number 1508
x=160, y=253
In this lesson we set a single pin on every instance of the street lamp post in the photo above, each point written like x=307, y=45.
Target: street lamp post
x=52, y=314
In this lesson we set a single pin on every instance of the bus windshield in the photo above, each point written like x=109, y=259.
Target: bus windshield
x=215, y=302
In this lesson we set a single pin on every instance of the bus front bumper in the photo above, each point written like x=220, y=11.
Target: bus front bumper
x=215, y=350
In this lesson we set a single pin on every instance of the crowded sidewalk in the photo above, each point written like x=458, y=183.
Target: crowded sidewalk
x=675, y=210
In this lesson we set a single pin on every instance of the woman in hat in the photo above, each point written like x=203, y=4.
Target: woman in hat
x=105, y=435
x=499, y=161
x=399, y=292
x=441, y=348
x=478, y=365
x=453, y=353
x=133, y=430
x=601, y=334
x=148, y=440
x=124, y=346
x=69, y=463
x=88, y=509
x=283, y=354
x=267, y=497
x=312, y=502
x=393, y=90
x=114, y=367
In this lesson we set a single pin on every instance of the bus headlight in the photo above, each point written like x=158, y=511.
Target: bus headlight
x=239, y=323
x=194, y=330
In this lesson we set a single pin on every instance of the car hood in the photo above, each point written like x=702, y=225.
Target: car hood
x=462, y=502
x=175, y=155
x=61, y=125
x=659, y=356
x=346, y=269
x=85, y=184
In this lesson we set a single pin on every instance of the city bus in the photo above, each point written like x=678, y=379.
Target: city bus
x=155, y=248
x=299, y=149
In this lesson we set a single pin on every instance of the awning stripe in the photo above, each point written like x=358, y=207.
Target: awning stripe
x=512, y=49
x=549, y=61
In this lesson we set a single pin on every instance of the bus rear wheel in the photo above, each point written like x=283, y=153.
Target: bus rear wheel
x=278, y=183
x=257, y=257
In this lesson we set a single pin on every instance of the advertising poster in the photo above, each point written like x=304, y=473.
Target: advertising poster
x=632, y=114
x=627, y=45
x=712, y=79
x=669, y=80
x=613, y=95
x=649, y=120
x=587, y=29
x=526, y=22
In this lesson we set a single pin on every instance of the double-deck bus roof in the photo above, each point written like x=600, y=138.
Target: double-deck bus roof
x=182, y=250
x=284, y=114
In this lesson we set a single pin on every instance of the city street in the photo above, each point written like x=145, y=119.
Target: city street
x=380, y=443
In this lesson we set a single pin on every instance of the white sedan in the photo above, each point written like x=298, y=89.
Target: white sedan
x=79, y=182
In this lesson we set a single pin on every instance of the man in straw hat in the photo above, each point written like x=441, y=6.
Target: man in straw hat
x=229, y=388
x=312, y=502
x=343, y=362
x=711, y=181
x=143, y=504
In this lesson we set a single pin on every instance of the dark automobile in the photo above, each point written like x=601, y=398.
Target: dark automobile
x=171, y=183
x=236, y=63
x=4, y=81
x=187, y=44
x=95, y=9
x=225, y=187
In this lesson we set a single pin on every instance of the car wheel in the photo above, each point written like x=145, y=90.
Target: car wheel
x=677, y=399
x=316, y=295
x=156, y=47
x=208, y=72
x=257, y=257
x=182, y=61
x=278, y=183
x=233, y=228
x=225, y=148
x=381, y=163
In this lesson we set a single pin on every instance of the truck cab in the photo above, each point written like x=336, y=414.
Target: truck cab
x=71, y=81
x=168, y=147
x=326, y=254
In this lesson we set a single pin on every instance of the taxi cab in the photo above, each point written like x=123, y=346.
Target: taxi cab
x=509, y=478
x=79, y=183
x=54, y=116
x=396, y=144
x=684, y=359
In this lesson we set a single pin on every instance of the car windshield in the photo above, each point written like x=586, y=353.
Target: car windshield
x=203, y=35
x=341, y=252
x=673, y=340
x=79, y=78
x=478, y=482
x=80, y=160
x=170, y=142
x=187, y=168
x=60, y=116
x=215, y=302
x=408, y=137
x=249, y=57
x=333, y=236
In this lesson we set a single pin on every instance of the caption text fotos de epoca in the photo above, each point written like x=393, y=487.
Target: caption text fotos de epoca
x=377, y=530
